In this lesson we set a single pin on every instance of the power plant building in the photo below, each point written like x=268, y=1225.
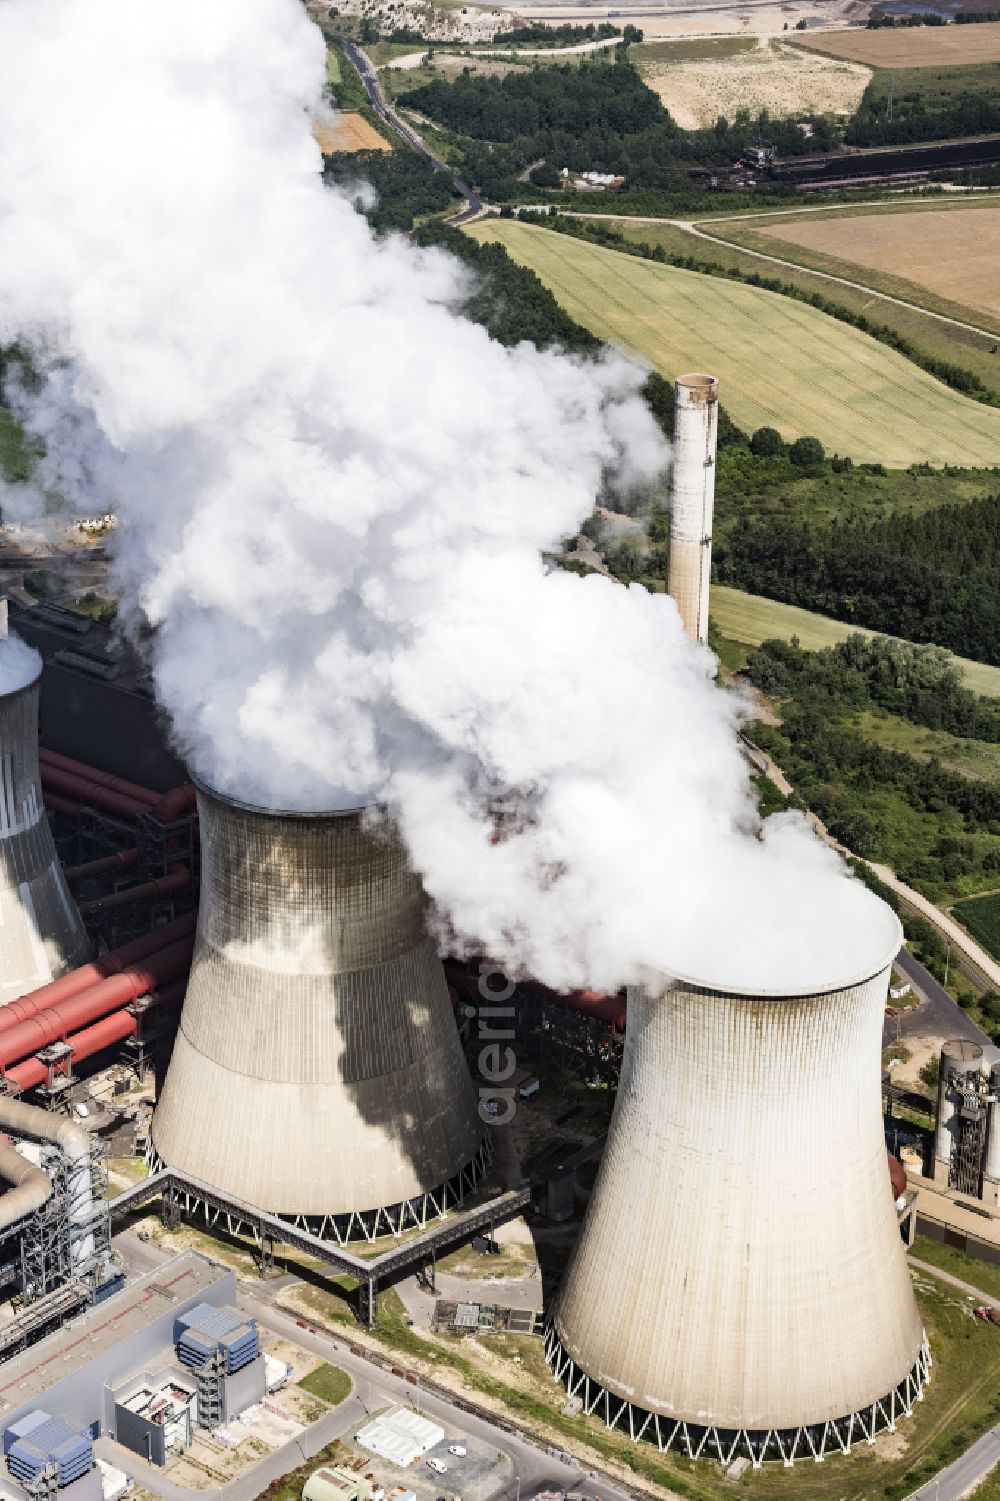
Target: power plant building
x=740, y=1285
x=42, y=932
x=317, y=1073
x=692, y=499
x=967, y=1129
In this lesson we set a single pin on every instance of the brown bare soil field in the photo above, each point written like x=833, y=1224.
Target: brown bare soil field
x=348, y=132
x=772, y=77
x=912, y=46
x=954, y=253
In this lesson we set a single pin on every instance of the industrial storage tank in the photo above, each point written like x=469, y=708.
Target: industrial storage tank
x=42, y=935
x=740, y=1285
x=317, y=1073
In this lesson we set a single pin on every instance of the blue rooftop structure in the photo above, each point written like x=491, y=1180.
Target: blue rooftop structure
x=37, y=1441
x=207, y=1331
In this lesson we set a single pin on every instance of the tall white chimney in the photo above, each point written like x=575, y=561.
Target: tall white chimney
x=696, y=421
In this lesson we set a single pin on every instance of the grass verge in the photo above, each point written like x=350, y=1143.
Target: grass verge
x=329, y=1383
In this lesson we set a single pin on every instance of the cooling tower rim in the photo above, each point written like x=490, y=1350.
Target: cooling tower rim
x=24, y=687
x=318, y=814
x=847, y=979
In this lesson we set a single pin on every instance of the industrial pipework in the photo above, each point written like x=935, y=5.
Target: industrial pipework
x=967, y=1129
x=740, y=1285
x=317, y=1072
x=72, y=1144
x=42, y=932
x=689, y=568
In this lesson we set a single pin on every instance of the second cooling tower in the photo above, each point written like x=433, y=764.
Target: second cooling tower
x=740, y=1284
x=41, y=935
x=317, y=1073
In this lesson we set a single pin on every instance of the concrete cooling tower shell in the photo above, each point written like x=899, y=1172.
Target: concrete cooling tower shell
x=41, y=935
x=317, y=1073
x=740, y=1284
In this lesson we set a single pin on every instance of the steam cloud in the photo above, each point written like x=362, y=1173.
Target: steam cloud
x=334, y=495
x=20, y=664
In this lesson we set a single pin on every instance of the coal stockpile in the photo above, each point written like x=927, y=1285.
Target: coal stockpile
x=864, y=166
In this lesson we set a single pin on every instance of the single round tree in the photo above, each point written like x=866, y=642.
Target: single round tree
x=767, y=443
x=806, y=452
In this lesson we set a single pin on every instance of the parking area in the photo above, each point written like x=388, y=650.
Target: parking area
x=473, y=1475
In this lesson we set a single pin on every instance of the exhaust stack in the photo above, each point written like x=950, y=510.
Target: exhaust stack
x=42, y=935
x=689, y=568
x=317, y=1073
x=740, y=1284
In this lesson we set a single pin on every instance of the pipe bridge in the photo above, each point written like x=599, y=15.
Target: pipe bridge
x=182, y=1194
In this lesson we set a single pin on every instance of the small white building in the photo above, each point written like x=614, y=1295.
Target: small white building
x=400, y=1436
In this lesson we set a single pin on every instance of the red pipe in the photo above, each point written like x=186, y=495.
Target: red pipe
x=89, y=975
x=109, y=995
x=99, y=778
x=107, y=865
x=175, y=803
x=58, y=804
x=163, y=886
x=103, y=1034
x=83, y=790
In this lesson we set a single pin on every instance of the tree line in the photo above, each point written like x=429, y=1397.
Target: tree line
x=918, y=117
x=599, y=116
x=930, y=577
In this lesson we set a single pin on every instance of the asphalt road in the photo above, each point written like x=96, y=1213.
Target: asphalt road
x=959, y=1478
x=936, y=1016
x=369, y=79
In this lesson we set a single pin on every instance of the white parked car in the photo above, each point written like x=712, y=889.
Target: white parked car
x=457, y=1449
x=437, y=1466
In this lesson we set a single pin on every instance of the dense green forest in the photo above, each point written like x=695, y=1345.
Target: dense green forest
x=599, y=116
x=918, y=683
x=917, y=117
x=939, y=830
x=406, y=184
x=929, y=577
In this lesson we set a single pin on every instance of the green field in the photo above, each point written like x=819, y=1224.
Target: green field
x=981, y=915
x=692, y=49
x=978, y=759
x=932, y=338
x=780, y=363
x=751, y=619
x=333, y=56
x=328, y=1382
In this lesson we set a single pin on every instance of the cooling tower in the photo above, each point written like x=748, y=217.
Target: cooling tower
x=689, y=567
x=740, y=1284
x=41, y=935
x=317, y=1073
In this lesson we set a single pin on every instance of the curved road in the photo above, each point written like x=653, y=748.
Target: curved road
x=365, y=69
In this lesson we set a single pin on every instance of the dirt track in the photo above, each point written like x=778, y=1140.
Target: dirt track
x=955, y=254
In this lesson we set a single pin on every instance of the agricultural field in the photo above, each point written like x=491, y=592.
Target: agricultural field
x=766, y=75
x=954, y=254
x=781, y=363
x=348, y=131
x=933, y=338
x=910, y=46
x=752, y=619
x=981, y=915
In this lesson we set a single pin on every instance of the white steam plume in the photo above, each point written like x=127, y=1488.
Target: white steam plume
x=20, y=664
x=334, y=495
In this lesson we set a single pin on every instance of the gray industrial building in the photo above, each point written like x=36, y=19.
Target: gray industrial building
x=89, y=1371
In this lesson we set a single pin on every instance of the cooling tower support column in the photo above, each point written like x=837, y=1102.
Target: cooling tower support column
x=317, y=1073
x=689, y=569
x=42, y=935
x=740, y=1285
